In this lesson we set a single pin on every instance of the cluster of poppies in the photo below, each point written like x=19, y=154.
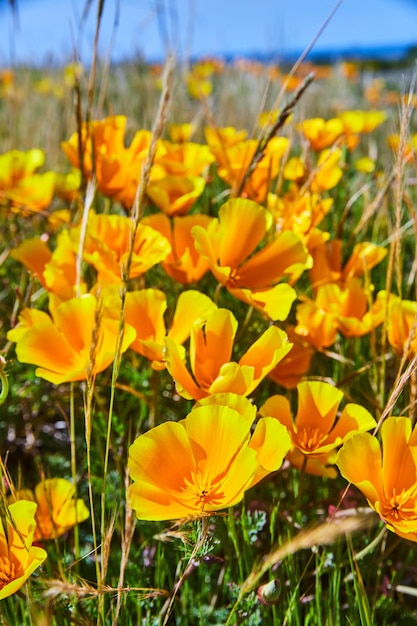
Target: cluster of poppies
x=257, y=243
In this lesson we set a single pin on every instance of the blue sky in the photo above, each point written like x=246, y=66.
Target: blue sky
x=48, y=28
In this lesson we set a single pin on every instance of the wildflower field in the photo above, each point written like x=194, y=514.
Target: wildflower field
x=208, y=323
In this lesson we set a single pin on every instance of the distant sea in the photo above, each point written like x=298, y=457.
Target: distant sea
x=380, y=53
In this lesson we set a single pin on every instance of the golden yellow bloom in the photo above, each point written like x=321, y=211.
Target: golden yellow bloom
x=289, y=371
x=338, y=309
x=358, y=121
x=198, y=88
x=327, y=261
x=179, y=133
x=328, y=171
x=68, y=185
x=211, y=344
x=183, y=264
x=321, y=133
x=301, y=213
x=107, y=246
x=294, y=169
x=250, y=275
x=71, y=342
x=175, y=195
x=401, y=324
x=234, y=160
x=18, y=557
x=57, y=511
x=386, y=473
x=20, y=186
x=221, y=138
x=184, y=159
x=365, y=165
x=117, y=169
x=318, y=429
x=144, y=311
x=56, y=270
x=205, y=462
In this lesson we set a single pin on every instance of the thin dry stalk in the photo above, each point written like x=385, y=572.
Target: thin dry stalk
x=394, y=256
x=411, y=279
x=137, y=211
x=59, y=588
x=308, y=49
x=373, y=207
x=402, y=380
x=92, y=79
x=406, y=111
x=106, y=68
x=127, y=537
x=269, y=133
x=89, y=197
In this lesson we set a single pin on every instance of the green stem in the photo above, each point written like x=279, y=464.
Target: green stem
x=73, y=448
x=4, y=381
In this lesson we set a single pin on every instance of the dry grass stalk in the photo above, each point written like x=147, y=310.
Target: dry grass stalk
x=59, y=588
x=126, y=542
x=401, y=382
x=271, y=132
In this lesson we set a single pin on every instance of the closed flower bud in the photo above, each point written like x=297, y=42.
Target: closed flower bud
x=270, y=592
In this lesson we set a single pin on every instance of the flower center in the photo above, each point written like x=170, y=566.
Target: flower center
x=309, y=439
x=45, y=526
x=202, y=492
x=400, y=506
x=7, y=572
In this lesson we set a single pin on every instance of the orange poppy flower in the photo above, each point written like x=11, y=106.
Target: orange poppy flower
x=205, y=462
x=221, y=138
x=117, y=168
x=386, y=473
x=183, y=264
x=250, y=275
x=360, y=122
x=234, y=160
x=328, y=171
x=198, y=87
x=289, y=371
x=294, y=169
x=338, y=309
x=179, y=133
x=107, y=246
x=20, y=185
x=56, y=271
x=318, y=430
x=82, y=341
x=300, y=213
x=175, y=195
x=57, y=511
x=327, y=261
x=321, y=133
x=144, y=311
x=68, y=185
x=18, y=557
x=213, y=371
x=401, y=324
x=184, y=159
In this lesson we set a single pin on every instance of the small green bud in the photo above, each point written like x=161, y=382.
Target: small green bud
x=270, y=592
